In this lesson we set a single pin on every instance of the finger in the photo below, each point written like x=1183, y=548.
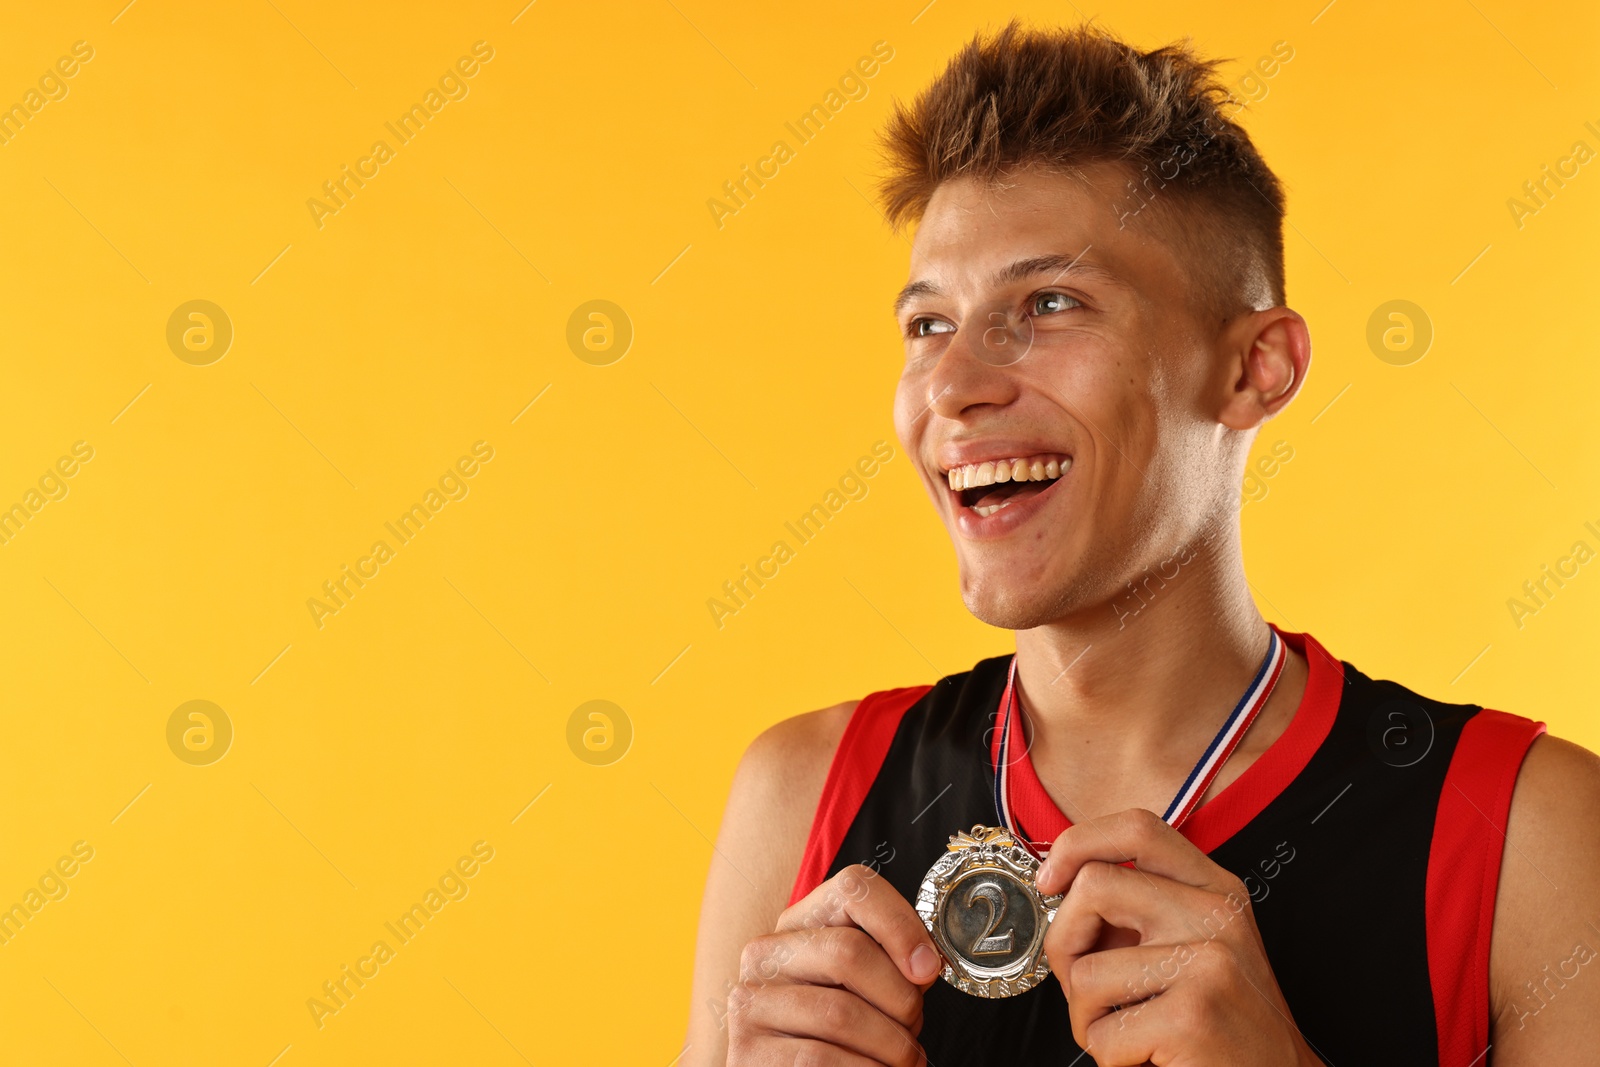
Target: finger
x=1137, y=835
x=803, y=1050
x=835, y=1017
x=1160, y=910
x=1100, y=982
x=1143, y=1033
x=856, y=896
x=837, y=956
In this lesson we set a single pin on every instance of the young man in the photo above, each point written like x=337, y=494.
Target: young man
x=1094, y=331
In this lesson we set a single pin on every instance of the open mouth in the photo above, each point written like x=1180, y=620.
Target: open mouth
x=995, y=484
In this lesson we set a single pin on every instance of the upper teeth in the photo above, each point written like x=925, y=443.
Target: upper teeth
x=1028, y=469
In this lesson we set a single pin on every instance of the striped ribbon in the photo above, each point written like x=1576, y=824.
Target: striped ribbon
x=1199, y=780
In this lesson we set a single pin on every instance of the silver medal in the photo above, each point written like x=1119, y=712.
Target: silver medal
x=985, y=914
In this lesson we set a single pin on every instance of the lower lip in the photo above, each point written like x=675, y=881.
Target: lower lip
x=977, y=527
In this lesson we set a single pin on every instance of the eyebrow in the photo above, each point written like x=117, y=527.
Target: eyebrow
x=1053, y=263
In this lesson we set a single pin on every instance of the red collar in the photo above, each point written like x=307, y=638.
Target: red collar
x=1231, y=810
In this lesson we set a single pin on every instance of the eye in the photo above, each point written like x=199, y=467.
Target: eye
x=1046, y=303
x=927, y=327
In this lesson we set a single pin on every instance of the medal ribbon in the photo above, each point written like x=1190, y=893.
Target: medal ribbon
x=1199, y=780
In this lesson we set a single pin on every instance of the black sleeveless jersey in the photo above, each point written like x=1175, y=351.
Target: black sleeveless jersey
x=1369, y=837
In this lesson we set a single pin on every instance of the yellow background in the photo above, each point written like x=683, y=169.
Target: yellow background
x=369, y=354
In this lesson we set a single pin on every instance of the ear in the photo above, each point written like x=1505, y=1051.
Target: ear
x=1271, y=351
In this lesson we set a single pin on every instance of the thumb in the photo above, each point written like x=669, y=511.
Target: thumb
x=924, y=966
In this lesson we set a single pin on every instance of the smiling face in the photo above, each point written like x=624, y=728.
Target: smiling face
x=1061, y=391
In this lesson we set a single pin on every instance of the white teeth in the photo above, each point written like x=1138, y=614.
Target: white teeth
x=1026, y=469
x=992, y=508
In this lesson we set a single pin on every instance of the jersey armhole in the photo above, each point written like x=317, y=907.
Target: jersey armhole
x=1469, y=836
x=855, y=765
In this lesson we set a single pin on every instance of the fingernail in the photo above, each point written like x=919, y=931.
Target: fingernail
x=924, y=963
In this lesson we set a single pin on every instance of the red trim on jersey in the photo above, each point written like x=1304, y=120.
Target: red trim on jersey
x=1464, y=876
x=1225, y=814
x=855, y=765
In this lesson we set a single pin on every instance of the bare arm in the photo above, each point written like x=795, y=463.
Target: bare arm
x=1544, y=952
x=764, y=829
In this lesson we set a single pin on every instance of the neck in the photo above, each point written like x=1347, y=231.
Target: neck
x=1144, y=680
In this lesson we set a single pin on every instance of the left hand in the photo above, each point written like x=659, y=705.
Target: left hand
x=1172, y=942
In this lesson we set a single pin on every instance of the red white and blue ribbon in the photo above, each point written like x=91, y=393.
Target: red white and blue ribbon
x=1199, y=780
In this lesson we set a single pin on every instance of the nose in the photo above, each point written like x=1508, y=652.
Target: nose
x=975, y=368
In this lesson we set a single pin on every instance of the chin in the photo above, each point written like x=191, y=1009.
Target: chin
x=1013, y=605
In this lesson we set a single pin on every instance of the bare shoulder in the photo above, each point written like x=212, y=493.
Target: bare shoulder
x=1557, y=778
x=794, y=752
x=1546, y=1006
x=774, y=796
x=763, y=836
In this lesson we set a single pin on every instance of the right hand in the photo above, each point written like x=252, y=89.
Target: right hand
x=840, y=980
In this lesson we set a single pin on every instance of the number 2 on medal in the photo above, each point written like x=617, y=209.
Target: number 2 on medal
x=990, y=943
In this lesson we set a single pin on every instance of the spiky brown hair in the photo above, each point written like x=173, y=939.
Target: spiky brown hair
x=1071, y=97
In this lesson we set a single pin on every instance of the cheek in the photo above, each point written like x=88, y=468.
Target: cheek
x=1118, y=410
x=1171, y=400
x=910, y=405
x=1103, y=394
